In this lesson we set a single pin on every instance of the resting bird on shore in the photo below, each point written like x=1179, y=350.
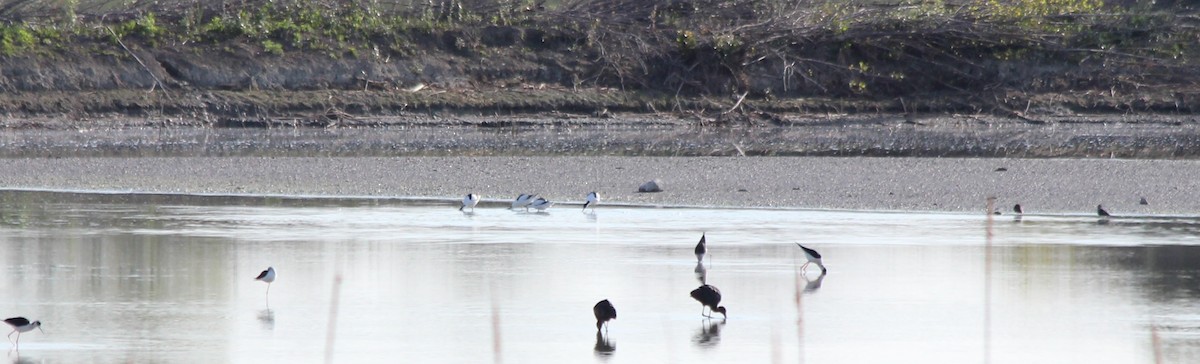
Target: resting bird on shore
x=701, y=248
x=469, y=201
x=710, y=297
x=541, y=204
x=593, y=199
x=1017, y=209
x=604, y=311
x=21, y=324
x=813, y=257
x=523, y=200
x=1101, y=211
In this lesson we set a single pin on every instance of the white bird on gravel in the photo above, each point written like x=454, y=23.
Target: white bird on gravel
x=469, y=201
x=541, y=204
x=593, y=199
x=523, y=200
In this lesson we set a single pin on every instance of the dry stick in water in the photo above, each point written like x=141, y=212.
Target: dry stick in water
x=157, y=82
x=333, y=312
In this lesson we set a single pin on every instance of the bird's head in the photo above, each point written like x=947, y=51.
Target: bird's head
x=721, y=309
x=38, y=325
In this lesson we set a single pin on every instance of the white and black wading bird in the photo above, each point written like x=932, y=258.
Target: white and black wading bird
x=593, y=199
x=21, y=324
x=523, y=200
x=813, y=257
x=470, y=200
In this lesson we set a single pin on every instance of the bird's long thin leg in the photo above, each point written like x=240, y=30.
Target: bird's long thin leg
x=805, y=265
x=14, y=330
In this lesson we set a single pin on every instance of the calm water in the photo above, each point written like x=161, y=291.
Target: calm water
x=119, y=278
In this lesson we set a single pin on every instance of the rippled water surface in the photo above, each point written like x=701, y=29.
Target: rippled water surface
x=120, y=278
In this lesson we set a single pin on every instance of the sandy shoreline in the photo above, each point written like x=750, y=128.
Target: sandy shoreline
x=1072, y=186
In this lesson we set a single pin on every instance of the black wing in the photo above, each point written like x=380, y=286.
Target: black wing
x=17, y=321
x=810, y=251
x=1101, y=211
x=700, y=247
x=1017, y=209
x=604, y=310
x=261, y=275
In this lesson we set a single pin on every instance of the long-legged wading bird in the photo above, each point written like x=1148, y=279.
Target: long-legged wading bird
x=267, y=276
x=541, y=204
x=1017, y=209
x=604, y=311
x=522, y=200
x=1101, y=211
x=701, y=248
x=813, y=257
x=593, y=199
x=710, y=297
x=21, y=324
x=470, y=200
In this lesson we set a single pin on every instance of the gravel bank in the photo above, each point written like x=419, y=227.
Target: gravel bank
x=1073, y=186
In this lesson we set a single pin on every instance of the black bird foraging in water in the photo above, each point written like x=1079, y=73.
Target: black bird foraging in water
x=604, y=311
x=1101, y=211
x=710, y=297
x=1017, y=209
x=701, y=248
x=813, y=257
x=21, y=324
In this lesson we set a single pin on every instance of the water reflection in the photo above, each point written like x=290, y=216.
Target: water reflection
x=168, y=278
x=710, y=333
x=604, y=347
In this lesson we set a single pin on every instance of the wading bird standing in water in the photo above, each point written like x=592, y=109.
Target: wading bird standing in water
x=709, y=297
x=701, y=248
x=1101, y=211
x=469, y=201
x=604, y=311
x=593, y=199
x=267, y=276
x=813, y=257
x=21, y=324
x=541, y=204
x=1017, y=209
x=523, y=200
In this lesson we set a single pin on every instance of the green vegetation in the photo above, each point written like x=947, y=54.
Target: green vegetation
x=829, y=48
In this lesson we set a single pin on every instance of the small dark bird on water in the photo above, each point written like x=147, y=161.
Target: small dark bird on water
x=701, y=248
x=21, y=324
x=813, y=257
x=1017, y=209
x=710, y=297
x=1101, y=211
x=604, y=311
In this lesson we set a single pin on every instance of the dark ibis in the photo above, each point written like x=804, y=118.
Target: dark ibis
x=1017, y=209
x=604, y=311
x=710, y=297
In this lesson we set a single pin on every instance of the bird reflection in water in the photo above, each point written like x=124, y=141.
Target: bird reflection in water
x=267, y=318
x=813, y=285
x=604, y=347
x=701, y=273
x=710, y=333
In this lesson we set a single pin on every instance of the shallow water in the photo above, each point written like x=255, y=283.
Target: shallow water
x=156, y=278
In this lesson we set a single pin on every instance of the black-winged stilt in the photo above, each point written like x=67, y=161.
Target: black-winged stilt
x=470, y=200
x=604, y=311
x=710, y=297
x=267, y=276
x=593, y=199
x=701, y=248
x=541, y=204
x=523, y=200
x=1101, y=211
x=21, y=324
x=813, y=257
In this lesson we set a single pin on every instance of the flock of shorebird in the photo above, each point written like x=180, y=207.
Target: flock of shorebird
x=708, y=295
